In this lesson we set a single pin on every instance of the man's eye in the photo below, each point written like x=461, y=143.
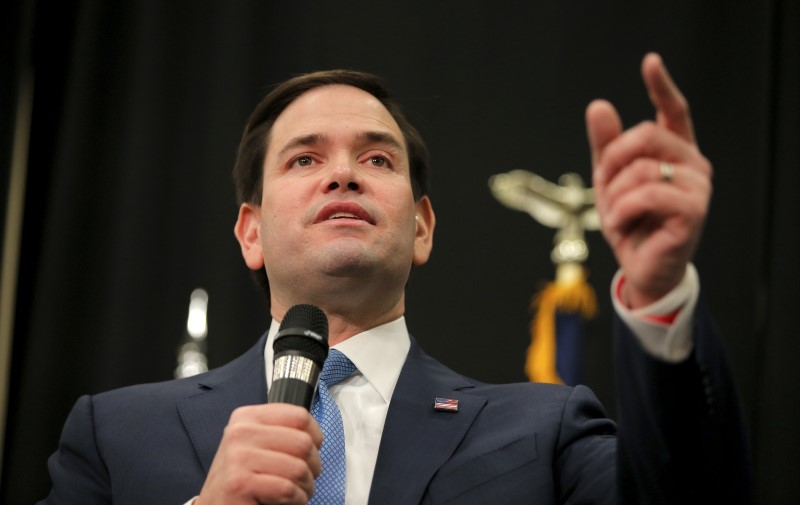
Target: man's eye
x=304, y=161
x=379, y=161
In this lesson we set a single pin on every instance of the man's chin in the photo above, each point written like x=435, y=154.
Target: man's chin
x=353, y=258
x=349, y=262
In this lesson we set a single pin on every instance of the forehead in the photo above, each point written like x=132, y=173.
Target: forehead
x=331, y=109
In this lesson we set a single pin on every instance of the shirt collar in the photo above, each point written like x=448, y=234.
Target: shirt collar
x=378, y=353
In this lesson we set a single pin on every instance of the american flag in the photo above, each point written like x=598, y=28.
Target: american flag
x=446, y=404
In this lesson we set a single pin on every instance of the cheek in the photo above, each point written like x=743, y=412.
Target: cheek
x=276, y=216
x=282, y=199
x=399, y=203
x=403, y=225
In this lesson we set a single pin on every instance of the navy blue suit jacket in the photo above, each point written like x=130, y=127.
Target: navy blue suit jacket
x=681, y=437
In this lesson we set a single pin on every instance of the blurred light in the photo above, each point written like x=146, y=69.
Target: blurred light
x=196, y=324
x=191, y=360
x=191, y=355
x=189, y=369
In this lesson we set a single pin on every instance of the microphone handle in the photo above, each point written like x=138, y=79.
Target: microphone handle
x=294, y=391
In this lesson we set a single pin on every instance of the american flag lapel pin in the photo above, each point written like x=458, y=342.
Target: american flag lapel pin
x=445, y=404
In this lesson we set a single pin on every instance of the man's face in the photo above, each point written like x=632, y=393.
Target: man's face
x=336, y=200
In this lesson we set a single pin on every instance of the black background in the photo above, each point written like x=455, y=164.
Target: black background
x=138, y=107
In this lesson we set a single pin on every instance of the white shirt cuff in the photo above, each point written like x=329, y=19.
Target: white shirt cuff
x=669, y=342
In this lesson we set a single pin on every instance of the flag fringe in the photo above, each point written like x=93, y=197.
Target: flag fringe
x=572, y=297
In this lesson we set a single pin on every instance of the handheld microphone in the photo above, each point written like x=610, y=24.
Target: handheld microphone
x=301, y=347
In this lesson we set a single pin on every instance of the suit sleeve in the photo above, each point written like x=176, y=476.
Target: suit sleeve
x=585, y=452
x=682, y=437
x=78, y=473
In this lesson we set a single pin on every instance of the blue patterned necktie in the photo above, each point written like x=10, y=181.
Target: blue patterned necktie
x=330, y=484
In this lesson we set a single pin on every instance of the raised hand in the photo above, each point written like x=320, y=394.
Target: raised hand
x=652, y=187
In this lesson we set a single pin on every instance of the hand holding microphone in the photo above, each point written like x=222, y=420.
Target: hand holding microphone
x=270, y=453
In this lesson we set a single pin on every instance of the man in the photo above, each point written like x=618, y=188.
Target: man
x=331, y=179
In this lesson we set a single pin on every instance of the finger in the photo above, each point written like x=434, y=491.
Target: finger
x=647, y=140
x=254, y=460
x=602, y=126
x=295, y=470
x=314, y=462
x=646, y=171
x=279, y=427
x=275, y=438
x=279, y=414
x=313, y=429
x=647, y=207
x=264, y=475
x=672, y=109
x=283, y=414
x=274, y=489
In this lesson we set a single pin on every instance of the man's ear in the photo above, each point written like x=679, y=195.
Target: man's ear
x=423, y=241
x=248, y=232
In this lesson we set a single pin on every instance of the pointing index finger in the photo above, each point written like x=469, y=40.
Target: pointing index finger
x=672, y=109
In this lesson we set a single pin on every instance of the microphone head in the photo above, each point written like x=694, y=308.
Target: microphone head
x=304, y=330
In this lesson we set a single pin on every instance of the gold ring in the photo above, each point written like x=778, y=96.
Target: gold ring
x=667, y=171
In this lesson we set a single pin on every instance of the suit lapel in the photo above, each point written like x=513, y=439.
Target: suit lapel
x=417, y=439
x=205, y=414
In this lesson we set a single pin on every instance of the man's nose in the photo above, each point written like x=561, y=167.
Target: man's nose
x=344, y=176
x=352, y=185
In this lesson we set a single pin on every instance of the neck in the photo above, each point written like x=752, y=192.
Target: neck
x=348, y=313
x=342, y=327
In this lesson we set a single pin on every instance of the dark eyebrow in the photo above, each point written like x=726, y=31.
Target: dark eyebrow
x=381, y=138
x=314, y=139
x=303, y=140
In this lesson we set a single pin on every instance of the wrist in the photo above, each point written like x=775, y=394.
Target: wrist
x=660, y=317
x=635, y=298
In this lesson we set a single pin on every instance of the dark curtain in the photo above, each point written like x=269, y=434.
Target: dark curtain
x=138, y=107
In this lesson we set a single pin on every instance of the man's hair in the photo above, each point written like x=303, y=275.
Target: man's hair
x=248, y=171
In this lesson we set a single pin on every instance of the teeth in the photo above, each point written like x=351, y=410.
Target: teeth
x=342, y=214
